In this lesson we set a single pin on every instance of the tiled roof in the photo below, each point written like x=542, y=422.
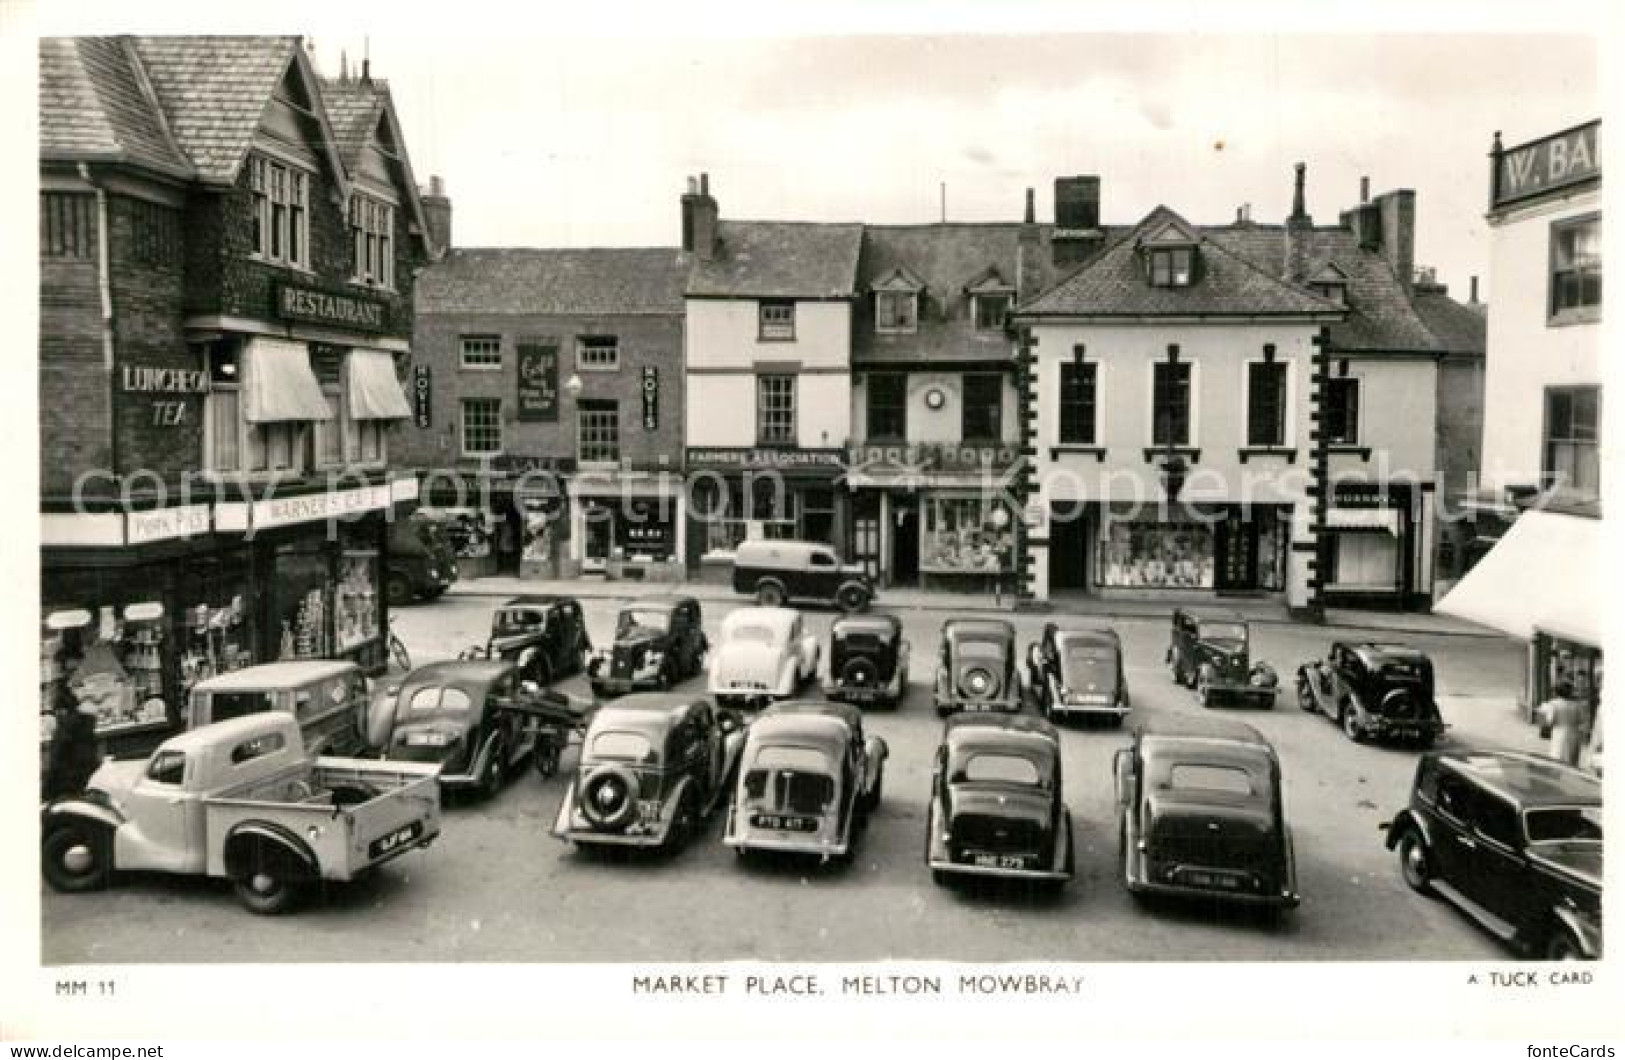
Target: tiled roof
x=1114, y=283
x=554, y=282
x=780, y=259
x=94, y=106
x=353, y=107
x=1458, y=327
x=1380, y=316
x=214, y=91
x=947, y=258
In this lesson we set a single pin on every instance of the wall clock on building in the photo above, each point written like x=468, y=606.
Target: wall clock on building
x=935, y=398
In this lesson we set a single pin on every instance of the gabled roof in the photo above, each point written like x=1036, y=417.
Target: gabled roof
x=1327, y=272
x=602, y=281
x=357, y=109
x=779, y=259
x=898, y=279
x=1114, y=283
x=952, y=260
x=97, y=105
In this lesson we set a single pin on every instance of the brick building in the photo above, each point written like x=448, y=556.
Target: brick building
x=227, y=250
x=549, y=395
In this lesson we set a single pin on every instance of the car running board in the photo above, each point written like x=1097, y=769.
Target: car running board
x=1502, y=929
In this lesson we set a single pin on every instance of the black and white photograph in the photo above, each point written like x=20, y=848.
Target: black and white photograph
x=841, y=515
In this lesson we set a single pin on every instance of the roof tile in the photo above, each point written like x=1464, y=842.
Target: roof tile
x=780, y=259
x=557, y=282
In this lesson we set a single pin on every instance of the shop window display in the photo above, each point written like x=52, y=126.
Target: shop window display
x=1273, y=532
x=1156, y=555
x=965, y=535
x=300, y=599
x=109, y=662
x=355, y=600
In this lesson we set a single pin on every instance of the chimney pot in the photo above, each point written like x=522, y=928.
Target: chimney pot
x=1472, y=295
x=1365, y=190
x=1030, y=217
x=705, y=183
x=1299, y=212
x=366, y=71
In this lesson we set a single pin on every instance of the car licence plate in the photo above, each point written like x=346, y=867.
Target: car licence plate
x=1212, y=879
x=781, y=823
x=395, y=840
x=999, y=861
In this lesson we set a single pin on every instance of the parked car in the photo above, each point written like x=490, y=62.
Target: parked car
x=653, y=768
x=976, y=666
x=418, y=562
x=868, y=660
x=657, y=644
x=996, y=802
x=1210, y=653
x=545, y=635
x=475, y=719
x=763, y=654
x=1078, y=671
x=777, y=572
x=328, y=697
x=1200, y=813
x=808, y=779
x=241, y=799
x=1373, y=690
x=1513, y=840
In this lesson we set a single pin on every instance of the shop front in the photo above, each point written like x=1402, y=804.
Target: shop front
x=508, y=516
x=138, y=607
x=739, y=494
x=1128, y=549
x=1376, y=545
x=628, y=526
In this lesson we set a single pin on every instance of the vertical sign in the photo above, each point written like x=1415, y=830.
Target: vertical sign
x=651, y=397
x=422, y=403
x=538, y=384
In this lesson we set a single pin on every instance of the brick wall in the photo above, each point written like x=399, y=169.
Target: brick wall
x=644, y=340
x=74, y=421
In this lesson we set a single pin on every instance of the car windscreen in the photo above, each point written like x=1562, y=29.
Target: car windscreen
x=509, y=623
x=1224, y=631
x=621, y=746
x=746, y=634
x=862, y=640
x=439, y=699
x=993, y=768
x=1191, y=776
x=1563, y=824
x=653, y=620
x=978, y=648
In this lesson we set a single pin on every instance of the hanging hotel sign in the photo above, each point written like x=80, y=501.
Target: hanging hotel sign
x=651, y=397
x=1556, y=161
x=538, y=383
x=422, y=397
x=311, y=305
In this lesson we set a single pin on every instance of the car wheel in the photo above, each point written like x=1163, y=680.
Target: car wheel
x=852, y=598
x=1563, y=946
x=397, y=590
x=683, y=825
x=74, y=858
x=770, y=594
x=1306, y=695
x=496, y=770
x=1415, y=863
x=1351, y=725
x=266, y=891
x=871, y=798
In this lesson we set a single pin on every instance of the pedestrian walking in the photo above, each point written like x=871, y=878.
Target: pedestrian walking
x=74, y=754
x=1564, y=719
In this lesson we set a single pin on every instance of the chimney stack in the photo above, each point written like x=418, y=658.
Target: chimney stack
x=1029, y=266
x=1298, y=225
x=1300, y=214
x=437, y=212
x=1396, y=213
x=366, y=71
x=1365, y=190
x=1472, y=295
x=1077, y=232
x=700, y=219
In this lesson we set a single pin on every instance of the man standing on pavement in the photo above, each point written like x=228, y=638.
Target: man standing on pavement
x=1564, y=717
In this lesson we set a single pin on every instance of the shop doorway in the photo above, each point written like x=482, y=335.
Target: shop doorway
x=866, y=533
x=905, y=540
x=599, y=537
x=1068, y=549
x=1235, y=546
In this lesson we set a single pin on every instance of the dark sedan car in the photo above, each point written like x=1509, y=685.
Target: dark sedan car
x=1212, y=654
x=976, y=667
x=454, y=713
x=1514, y=841
x=996, y=802
x=545, y=635
x=657, y=644
x=1382, y=691
x=1078, y=672
x=1200, y=813
x=868, y=660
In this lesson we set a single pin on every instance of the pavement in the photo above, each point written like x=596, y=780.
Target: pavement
x=1264, y=611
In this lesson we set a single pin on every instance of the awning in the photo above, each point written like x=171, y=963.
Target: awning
x=278, y=384
x=375, y=392
x=1363, y=519
x=1546, y=574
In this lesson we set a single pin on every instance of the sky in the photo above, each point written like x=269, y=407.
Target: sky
x=589, y=141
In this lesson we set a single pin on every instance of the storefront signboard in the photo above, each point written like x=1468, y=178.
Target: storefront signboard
x=1553, y=162
x=422, y=396
x=538, y=383
x=916, y=458
x=312, y=305
x=651, y=397
x=336, y=504
x=1372, y=495
x=162, y=524
x=767, y=459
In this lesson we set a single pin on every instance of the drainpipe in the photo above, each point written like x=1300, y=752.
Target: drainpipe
x=105, y=285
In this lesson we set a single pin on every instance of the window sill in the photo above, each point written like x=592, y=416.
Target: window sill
x=1247, y=452
x=479, y=367
x=486, y=454
x=897, y=331
x=1361, y=451
x=303, y=270
x=1191, y=453
x=370, y=287
x=1080, y=449
x=1575, y=316
x=598, y=367
x=775, y=338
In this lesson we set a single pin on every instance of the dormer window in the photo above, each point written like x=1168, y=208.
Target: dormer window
x=991, y=309
x=1330, y=282
x=1333, y=292
x=896, y=312
x=1171, y=266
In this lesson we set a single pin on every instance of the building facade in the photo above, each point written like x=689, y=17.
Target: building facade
x=1183, y=381
x=227, y=250
x=1538, y=506
x=768, y=319
x=548, y=389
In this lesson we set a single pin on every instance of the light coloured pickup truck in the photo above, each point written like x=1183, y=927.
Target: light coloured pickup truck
x=243, y=800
